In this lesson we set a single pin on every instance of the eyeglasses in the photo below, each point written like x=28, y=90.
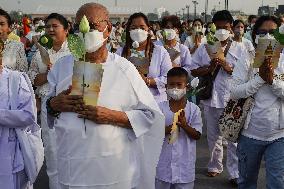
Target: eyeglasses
x=264, y=32
x=93, y=26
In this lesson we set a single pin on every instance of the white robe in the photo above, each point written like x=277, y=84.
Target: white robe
x=110, y=157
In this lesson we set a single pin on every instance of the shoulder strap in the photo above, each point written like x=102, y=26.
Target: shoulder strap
x=227, y=47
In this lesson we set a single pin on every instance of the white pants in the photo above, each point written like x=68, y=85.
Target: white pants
x=62, y=186
x=21, y=181
x=49, y=141
x=215, y=143
x=165, y=185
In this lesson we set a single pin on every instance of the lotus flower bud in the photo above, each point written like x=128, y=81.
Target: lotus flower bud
x=135, y=44
x=84, y=26
x=194, y=83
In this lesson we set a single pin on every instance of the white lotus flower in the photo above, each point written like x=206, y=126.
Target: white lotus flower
x=194, y=83
x=135, y=44
x=281, y=29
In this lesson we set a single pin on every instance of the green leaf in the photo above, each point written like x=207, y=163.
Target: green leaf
x=278, y=36
x=76, y=46
x=46, y=41
x=211, y=39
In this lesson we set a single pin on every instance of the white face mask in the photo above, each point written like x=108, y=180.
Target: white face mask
x=222, y=34
x=94, y=40
x=176, y=94
x=170, y=34
x=138, y=35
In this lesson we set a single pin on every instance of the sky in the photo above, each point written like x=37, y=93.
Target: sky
x=61, y=6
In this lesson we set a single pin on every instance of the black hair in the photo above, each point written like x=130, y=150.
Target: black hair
x=236, y=22
x=172, y=19
x=128, y=42
x=7, y=16
x=178, y=72
x=251, y=17
x=259, y=23
x=198, y=20
x=58, y=17
x=223, y=15
x=37, y=19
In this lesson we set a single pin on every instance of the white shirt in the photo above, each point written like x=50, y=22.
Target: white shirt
x=189, y=42
x=266, y=119
x=37, y=66
x=14, y=56
x=110, y=157
x=221, y=91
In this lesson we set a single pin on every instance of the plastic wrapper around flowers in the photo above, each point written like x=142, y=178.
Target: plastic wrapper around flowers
x=86, y=81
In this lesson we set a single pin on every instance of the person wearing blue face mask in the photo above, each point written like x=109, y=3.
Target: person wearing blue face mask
x=263, y=133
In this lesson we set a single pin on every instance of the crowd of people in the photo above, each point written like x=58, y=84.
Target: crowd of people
x=142, y=134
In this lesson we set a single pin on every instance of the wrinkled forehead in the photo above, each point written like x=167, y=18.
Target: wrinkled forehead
x=93, y=14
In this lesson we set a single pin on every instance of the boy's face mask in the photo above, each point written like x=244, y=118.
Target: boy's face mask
x=176, y=94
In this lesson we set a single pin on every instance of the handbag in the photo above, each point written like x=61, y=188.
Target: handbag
x=206, y=83
x=29, y=138
x=233, y=118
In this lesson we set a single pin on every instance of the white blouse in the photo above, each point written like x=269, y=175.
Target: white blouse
x=38, y=67
x=14, y=56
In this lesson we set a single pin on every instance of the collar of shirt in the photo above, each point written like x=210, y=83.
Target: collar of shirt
x=64, y=47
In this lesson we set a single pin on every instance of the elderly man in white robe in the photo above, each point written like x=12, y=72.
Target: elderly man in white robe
x=123, y=134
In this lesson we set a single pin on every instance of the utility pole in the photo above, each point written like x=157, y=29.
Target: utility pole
x=195, y=3
x=183, y=13
x=226, y=4
x=206, y=10
x=187, y=6
x=115, y=3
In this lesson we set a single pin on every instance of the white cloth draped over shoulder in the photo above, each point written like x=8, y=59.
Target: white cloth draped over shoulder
x=110, y=157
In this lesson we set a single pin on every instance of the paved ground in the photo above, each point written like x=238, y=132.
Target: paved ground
x=202, y=182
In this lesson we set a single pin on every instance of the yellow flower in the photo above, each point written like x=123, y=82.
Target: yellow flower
x=84, y=26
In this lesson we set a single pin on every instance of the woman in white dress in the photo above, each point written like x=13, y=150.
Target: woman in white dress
x=57, y=29
x=14, y=56
x=239, y=30
x=197, y=37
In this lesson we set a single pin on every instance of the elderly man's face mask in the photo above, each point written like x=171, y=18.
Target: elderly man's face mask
x=95, y=39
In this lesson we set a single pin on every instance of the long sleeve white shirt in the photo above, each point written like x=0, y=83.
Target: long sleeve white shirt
x=266, y=119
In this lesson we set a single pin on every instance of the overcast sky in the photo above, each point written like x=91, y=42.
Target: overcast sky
x=29, y=6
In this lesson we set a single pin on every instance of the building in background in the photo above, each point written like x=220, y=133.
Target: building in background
x=266, y=10
x=280, y=10
x=160, y=11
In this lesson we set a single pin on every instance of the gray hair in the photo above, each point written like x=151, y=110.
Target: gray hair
x=92, y=5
